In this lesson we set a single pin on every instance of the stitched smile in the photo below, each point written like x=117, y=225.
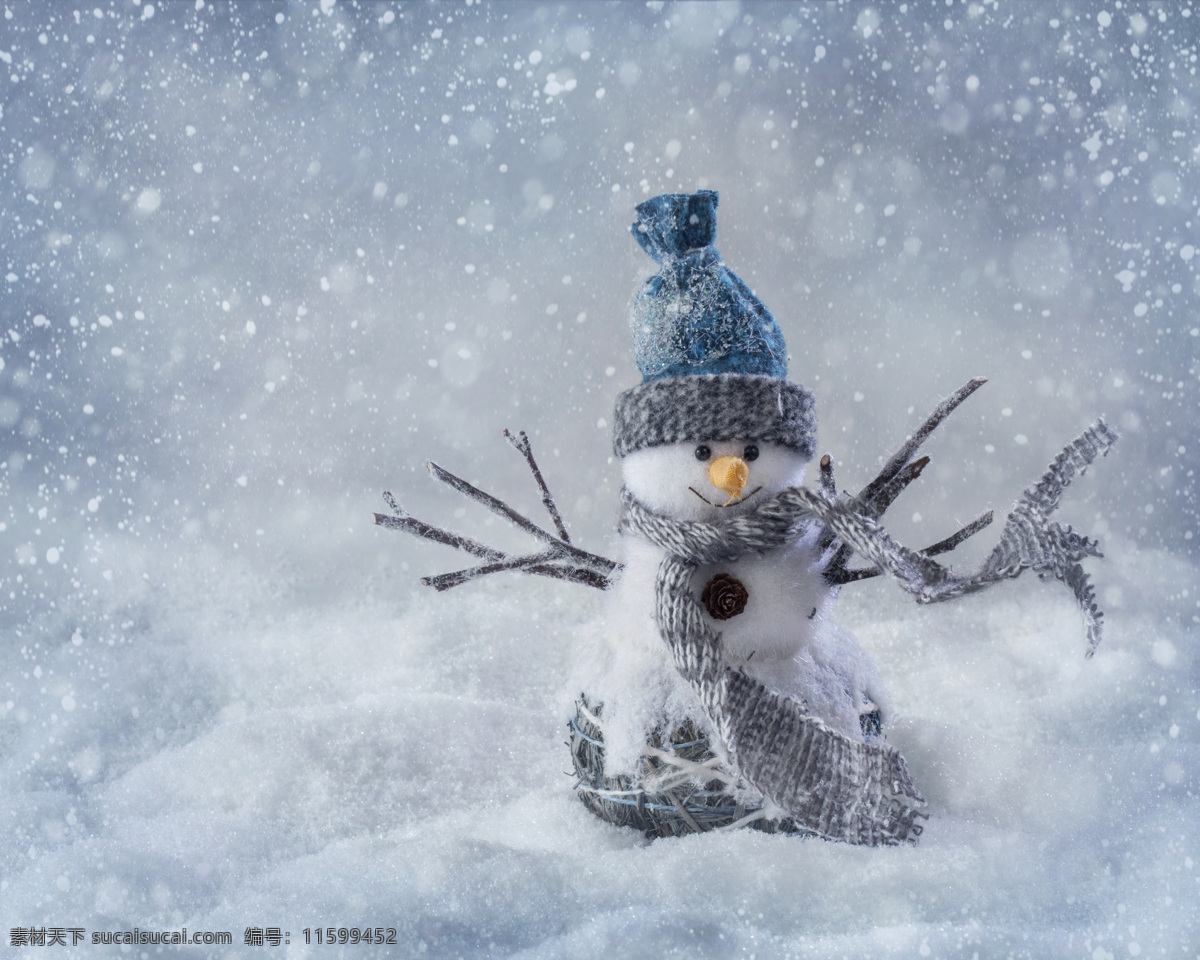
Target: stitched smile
x=721, y=506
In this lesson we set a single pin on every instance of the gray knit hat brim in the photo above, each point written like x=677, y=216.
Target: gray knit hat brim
x=715, y=407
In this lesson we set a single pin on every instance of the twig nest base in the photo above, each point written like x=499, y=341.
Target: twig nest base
x=680, y=787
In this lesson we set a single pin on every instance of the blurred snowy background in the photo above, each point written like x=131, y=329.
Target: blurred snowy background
x=261, y=260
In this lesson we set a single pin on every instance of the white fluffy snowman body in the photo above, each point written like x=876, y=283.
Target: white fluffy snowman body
x=784, y=637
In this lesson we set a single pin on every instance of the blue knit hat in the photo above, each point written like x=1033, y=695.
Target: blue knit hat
x=712, y=357
x=695, y=315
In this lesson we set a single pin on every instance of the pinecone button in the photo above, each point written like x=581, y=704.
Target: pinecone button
x=724, y=597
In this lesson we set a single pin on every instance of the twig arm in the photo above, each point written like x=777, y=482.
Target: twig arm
x=952, y=541
x=486, y=499
x=560, y=559
x=886, y=495
x=895, y=476
x=589, y=578
x=594, y=571
x=503, y=509
x=521, y=442
x=827, y=485
x=911, y=445
x=1030, y=540
x=410, y=524
x=444, y=581
x=845, y=575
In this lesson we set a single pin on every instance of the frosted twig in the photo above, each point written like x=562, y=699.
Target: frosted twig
x=677, y=770
x=751, y=817
x=845, y=575
x=410, y=524
x=504, y=510
x=885, y=495
x=486, y=499
x=444, y=581
x=521, y=442
x=532, y=564
x=827, y=484
x=561, y=559
x=895, y=476
x=1029, y=540
x=683, y=812
x=952, y=541
x=901, y=456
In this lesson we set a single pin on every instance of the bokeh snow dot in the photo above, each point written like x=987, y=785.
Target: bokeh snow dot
x=149, y=200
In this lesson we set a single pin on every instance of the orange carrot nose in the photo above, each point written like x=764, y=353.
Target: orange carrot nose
x=729, y=474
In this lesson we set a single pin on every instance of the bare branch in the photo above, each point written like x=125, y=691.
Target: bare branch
x=836, y=566
x=902, y=456
x=886, y=494
x=504, y=510
x=444, y=581
x=486, y=499
x=844, y=575
x=593, y=560
x=895, y=476
x=581, y=575
x=874, y=509
x=560, y=560
x=418, y=528
x=521, y=442
x=596, y=572
x=952, y=541
x=827, y=485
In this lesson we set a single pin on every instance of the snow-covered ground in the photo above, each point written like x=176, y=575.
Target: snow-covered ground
x=262, y=260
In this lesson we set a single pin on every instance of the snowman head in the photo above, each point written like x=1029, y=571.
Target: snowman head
x=715, y=428
x=711, y=479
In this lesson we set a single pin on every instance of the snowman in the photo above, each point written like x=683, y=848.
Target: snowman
x=720, y=691
x=714, y=431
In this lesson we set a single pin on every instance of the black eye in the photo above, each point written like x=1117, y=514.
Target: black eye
x=702, y=452
x=750, y=453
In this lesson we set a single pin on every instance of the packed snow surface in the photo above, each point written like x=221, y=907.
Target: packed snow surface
x=260, y=261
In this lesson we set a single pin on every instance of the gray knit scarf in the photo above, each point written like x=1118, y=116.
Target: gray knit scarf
x=840, y=788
